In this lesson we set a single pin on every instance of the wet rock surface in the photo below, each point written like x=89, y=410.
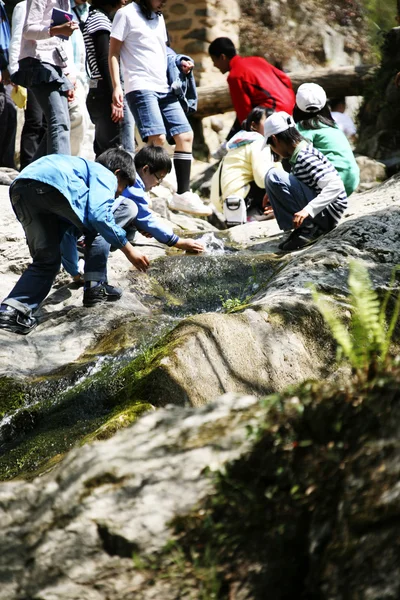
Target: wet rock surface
x=297, y=494
x=238, y=318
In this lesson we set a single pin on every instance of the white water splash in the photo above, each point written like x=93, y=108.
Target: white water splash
x=212, y=245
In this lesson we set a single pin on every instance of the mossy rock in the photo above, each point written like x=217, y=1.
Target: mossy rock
x=12, y=395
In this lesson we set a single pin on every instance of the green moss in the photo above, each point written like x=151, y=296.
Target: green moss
x=95, y=408
x=120, y=418
x=12, y=395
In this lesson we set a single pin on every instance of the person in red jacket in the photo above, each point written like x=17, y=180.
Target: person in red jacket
x=252, y=80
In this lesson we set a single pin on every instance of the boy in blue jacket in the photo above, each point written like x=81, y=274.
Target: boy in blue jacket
x=152, y=165
x=50, y=196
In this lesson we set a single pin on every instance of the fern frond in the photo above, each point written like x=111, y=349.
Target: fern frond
x=338, y=329
x=367, y=328
x=367, y=341
x=395, y=314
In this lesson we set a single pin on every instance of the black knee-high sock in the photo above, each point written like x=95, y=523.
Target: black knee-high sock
x=182, y=164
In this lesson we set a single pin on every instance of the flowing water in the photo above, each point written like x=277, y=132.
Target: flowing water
x=64, y=408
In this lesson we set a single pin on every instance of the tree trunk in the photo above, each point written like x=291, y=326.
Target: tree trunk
x=342, y=81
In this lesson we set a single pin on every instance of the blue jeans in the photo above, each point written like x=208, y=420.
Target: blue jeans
x=287, y=195
x=54, y=104
x=69, y=251
x=128, y=129
x=45, y=215
x=107, y=133
x=157, y=114
x=97, y=248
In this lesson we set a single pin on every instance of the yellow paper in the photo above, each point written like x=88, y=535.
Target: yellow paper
x=19, y=95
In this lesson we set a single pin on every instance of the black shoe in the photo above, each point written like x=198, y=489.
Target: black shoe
x=16, y=322
x=301, y=237
x=101, y=293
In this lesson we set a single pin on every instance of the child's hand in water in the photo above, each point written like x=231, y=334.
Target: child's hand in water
x=189, y=245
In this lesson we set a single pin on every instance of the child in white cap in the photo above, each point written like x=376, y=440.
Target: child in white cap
x=315, y=122
x=312, y=198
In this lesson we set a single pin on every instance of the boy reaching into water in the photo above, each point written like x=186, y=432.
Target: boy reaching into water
x=50, y=196
x=312, y=198
x=152, y=165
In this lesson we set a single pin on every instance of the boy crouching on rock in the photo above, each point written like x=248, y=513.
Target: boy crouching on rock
x=311, y=199
x=152, y=165
x=48, y=197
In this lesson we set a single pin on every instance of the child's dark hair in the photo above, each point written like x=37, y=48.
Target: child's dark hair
x=103, y=3
x=222, y=45
x=155, y=157
x=313, y=120
x=255, y=116
x=145, y=8
x=334, y=102
x=117, y=159
x=289, y=136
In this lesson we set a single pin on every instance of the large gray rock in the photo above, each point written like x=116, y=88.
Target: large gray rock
x=66, y=533
x=296, y=495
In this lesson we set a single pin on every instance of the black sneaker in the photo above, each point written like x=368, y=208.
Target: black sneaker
x=101, y=293
x=16, y=322
x=301, y=237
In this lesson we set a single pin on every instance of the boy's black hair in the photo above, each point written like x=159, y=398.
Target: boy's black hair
x=313, y=120
x=222, y=45
x=145, y=9
x=333, y=102
x=117, y=159
x=103, y=3
x=290, y=136
x=156, y=157
x=255, y=116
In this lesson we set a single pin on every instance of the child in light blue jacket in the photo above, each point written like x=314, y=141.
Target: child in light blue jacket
x=152, y=165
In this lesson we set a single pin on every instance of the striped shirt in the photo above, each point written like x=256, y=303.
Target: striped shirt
x=96, y=21
x=311, y=167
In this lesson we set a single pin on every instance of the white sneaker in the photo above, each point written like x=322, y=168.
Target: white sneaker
x=190, y=203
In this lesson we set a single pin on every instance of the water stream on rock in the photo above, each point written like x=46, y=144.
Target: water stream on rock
x=62, y=409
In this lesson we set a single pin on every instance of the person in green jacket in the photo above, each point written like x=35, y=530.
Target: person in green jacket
x=314, y=121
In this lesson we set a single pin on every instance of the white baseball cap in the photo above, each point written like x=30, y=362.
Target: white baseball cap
x=310, y=97
x=276, y=123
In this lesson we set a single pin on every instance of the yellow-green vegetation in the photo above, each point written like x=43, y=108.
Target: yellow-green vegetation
x=366, y=341
x=42, y=432
x=12, y=395
x=381, y=16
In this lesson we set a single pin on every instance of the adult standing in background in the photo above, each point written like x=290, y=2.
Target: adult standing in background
x=44, y=63
x=109, y=133
x=252, y=81
x=8, y=112
x=34, y=127
x=139, y=37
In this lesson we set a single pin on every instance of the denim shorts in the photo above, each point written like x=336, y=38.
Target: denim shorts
x=157, y=114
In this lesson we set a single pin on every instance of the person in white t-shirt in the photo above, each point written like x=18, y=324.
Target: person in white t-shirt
x=341, y=118
x=138, y=39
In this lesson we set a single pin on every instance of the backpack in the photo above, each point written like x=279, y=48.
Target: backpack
x=5, y=35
